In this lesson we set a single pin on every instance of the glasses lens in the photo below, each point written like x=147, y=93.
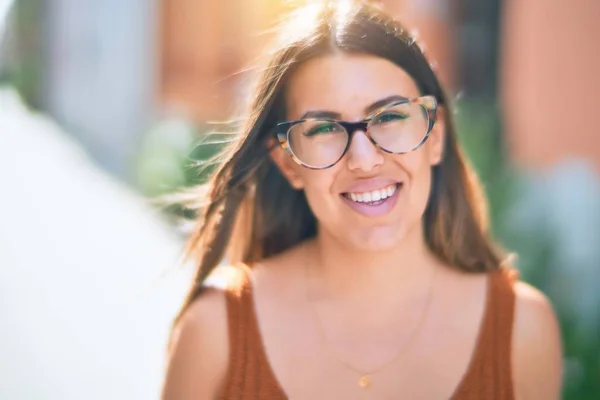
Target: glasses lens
x=317, y=143
x=400, y=128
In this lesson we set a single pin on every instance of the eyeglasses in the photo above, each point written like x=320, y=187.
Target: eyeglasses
x=397, y=128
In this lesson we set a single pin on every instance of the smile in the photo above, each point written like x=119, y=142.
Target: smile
x=373, y=203
x=373, y=196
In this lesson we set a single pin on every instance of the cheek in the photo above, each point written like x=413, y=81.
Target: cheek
x=415, y=164
x=318, y=190
x=418, y=169
x=421, y=188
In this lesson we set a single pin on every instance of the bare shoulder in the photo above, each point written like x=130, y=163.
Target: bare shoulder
x=535, y=320
x=198, y=352
x=537, y=350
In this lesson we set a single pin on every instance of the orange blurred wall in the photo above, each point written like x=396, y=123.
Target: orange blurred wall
x=551, y=81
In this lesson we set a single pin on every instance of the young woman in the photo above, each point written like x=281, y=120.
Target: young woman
x=362, y=267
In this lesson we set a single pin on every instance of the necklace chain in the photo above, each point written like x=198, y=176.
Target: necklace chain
x=365, y=376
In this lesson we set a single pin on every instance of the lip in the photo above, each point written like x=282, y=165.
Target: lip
x=370, y=184
x=377, y=210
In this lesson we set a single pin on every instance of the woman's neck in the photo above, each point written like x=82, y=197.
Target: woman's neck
x=347, y=273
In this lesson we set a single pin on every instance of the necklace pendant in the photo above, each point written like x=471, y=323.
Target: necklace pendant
x=364, y=381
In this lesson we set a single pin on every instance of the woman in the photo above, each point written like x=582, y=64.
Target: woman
x=362, y=266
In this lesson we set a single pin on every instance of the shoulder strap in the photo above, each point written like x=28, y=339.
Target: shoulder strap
x=238, y=301
x=249, y=373
x=490, y=375
x=503, y=310
x=498, y=334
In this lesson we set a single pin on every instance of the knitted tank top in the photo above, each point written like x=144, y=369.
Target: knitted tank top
x=488, y=375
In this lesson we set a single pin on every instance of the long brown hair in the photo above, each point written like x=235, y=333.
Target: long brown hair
x=251, y=212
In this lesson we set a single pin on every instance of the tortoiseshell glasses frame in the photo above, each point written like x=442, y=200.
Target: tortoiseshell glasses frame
x=428, y=105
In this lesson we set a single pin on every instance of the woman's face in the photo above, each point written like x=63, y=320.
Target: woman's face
x=347, y=86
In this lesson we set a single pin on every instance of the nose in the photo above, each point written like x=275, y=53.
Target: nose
x=363, y=155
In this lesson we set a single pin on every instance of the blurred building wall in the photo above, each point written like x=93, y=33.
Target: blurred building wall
x=551, y=81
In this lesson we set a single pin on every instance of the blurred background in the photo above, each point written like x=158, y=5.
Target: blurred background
x=103, y=105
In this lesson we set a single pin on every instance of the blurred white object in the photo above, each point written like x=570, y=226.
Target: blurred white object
x=4, y=8
x=84, y=306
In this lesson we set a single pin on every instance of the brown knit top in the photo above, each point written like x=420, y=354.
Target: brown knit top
x=488, y=375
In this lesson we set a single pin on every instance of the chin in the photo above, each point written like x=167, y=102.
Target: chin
x=380, y=239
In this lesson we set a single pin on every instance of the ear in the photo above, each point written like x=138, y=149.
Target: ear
x=437, y=138
x=288, y=168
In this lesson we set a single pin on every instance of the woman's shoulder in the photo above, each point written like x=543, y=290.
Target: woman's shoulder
x=534, y=316
x=534, y=320
x=199, y=348
x=207, y=314
x=209, y=308
x=536, y=344
x=200, y=345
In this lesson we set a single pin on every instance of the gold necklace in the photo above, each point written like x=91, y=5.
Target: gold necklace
x=365, y=380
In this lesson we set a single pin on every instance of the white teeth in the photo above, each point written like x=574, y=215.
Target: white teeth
x=373, y=195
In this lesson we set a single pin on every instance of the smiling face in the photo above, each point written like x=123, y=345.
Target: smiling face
x=370, y=199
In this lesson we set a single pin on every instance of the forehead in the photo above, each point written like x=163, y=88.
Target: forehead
x=346, y=84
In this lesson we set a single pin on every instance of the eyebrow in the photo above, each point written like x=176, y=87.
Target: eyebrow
x=368, y=110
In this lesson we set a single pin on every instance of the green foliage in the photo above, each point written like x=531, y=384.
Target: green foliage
x=175, y=154
x=26, y=69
